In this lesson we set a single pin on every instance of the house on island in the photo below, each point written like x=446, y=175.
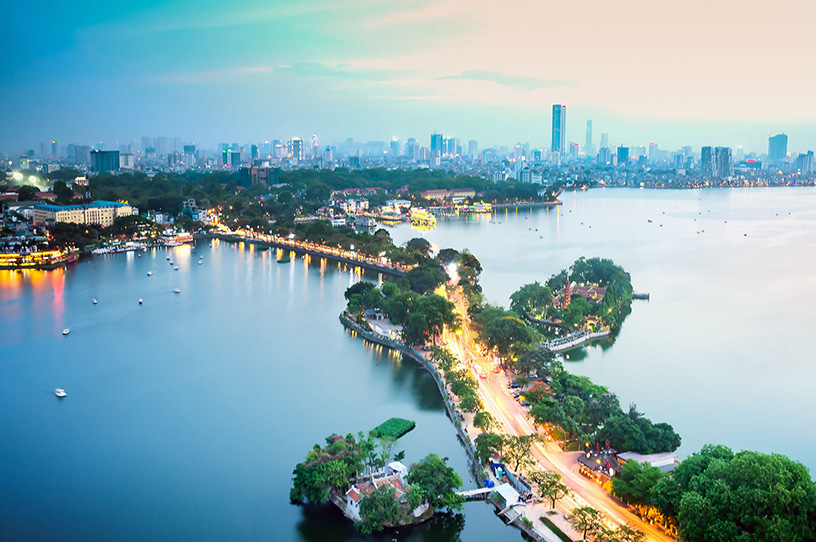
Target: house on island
x=381, y=325
x=394, y=474
x=665, y=461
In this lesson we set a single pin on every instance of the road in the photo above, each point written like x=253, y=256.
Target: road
x=513, y=418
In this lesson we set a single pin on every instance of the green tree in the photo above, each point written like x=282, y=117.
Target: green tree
x=63, y=193
x=447, y=256
x=27, y=192
x=326, y=468
x=518, y=450
x=484, y=421
x=586, y=520
x=437, y=480
x=487, y=445
x=549, y=485
x=530, y=299
x=503, y=333
x=427, y=276
x=420, y=245
x=635, y=482
x=541, y=360
x=380, y=510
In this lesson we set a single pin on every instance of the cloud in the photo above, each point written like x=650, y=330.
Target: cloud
x=212, y=76
x=519, y=82
x=344, y=71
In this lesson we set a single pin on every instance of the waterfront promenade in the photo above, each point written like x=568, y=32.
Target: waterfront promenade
x=381, y=265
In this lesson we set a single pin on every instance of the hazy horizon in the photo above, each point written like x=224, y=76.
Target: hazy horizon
x=698, y=74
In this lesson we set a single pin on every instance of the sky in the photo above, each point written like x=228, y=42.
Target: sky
x=696, y=72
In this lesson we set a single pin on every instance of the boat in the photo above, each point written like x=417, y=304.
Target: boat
x=202, y=256
x=284, y=259
x=421, y=217
x=149, y=273
x=178, y=291
x=168, y=257
x=66, y=331
x=140, y=301
x=260, y=249
x=139, y=255
x=95, y=301
x=175, y=268
x=199, y=262
x=59, y=392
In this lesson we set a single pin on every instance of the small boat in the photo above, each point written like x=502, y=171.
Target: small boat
x=59, y=392
x=284, y=259
x=66, y=331
x=140, y=301
x=175, y=268
x=202, y=256
x=95, y=301
x=178, y=291
x=149, y=273
x=168, y=257
x=199, y=263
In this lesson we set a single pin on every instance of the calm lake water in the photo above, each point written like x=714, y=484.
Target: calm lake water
x=724, y=350
x=186, y=415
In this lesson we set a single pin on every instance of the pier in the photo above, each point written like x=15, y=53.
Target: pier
x=381, y=265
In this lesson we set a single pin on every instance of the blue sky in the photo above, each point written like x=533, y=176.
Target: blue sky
x=725, y=73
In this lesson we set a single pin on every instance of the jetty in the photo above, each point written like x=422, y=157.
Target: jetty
x=381, y=265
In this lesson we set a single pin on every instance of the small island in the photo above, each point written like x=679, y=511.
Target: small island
x=367, y=480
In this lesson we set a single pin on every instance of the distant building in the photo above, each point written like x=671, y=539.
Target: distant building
x=559, y=129
x=101, y=213
x=436, y=143
x=473, y=148
x=804, y=163
x=104, y=160
x=623, y=156
x=723, y=162
x=777, y=148
x=589, y=150
x=604, y=156
x=126, y=161
x=706, y=163
x=297, y=148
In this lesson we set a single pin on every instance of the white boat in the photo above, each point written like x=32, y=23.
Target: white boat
x=199, y=263
x=66, y=331
x=177, y=291
x=175, y=268
x=149, y=273
x=168, y=257
x=95, y=301
x=201, y=257
x=140, y=301
x=59, y=392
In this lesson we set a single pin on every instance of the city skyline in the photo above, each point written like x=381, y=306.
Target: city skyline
x=210, y=72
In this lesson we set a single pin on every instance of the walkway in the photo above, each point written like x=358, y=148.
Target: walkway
x=381, y=265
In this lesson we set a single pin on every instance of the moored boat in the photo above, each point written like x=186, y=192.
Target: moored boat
x=59, y=392
x=66, y=331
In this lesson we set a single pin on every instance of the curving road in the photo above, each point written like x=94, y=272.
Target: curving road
x=514, y=420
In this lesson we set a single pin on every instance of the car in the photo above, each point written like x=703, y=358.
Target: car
x=514, y=385
x=482, y=374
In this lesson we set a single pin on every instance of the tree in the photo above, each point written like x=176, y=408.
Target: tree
x=466, y=259
x=327, y=468
x=487, y=445
x=379, y=510
x=627, y=533
x=503, y=333
x=530, y=299
x=717, y=495
x=420, y=245
x=586, y=520
x=386, y=446
x=447, y=256
x=517, y=450
x=63, y=193
x=27, y=193
x=549, y=485
x=437, y=480
x=484, y=421
x=426, y=277
x=635, y=482
x=541, y=360
x=444, y=358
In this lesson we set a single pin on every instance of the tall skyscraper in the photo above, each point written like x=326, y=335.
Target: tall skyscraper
x=604, y=140
x=54, y=149
x=411, y=149
x=105, y=160
x=623, y=156
x=559, y=129
x=777, y=148
x=588, y=149
x=652, y=152
x=436, y=143
x=395, y=146
x=473, y=148
x=804, y=163
x=518, y=152
x=297, y=148
x=723, y=162
x=706, y=163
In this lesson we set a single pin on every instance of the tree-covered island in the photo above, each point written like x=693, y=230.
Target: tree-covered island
x=367, y=480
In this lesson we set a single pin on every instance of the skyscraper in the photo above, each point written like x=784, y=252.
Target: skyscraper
x=777, y=148
x=395, y=146
x=473, y=148
x=54, y=149
x=297, y=148
x=105, y=160
x=559, y=129
x=604, y=140
x=723, y=162
x=588, y=150
x=411, y=148
x=652, y=152
x=623, y=156
x=436, y=143
x=706, y=163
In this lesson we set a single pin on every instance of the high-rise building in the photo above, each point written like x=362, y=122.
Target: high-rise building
x=518, y=152
x=54, y=149
x=604, y=156
x=653, y=152
x=706, y=163
x=473, y=148
x=559, y=129
x=297, y=148
x=448, y=146
x=411, y=149
x=436, y=143
x=723, y=162
x=623, y=156
x=777, y=148
x=253, y=152
x=145, y=144
x=604, y=140
x=82, y=154
x=588, y=149
x=395, y=146
x=104, y=160
x=804, y=163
